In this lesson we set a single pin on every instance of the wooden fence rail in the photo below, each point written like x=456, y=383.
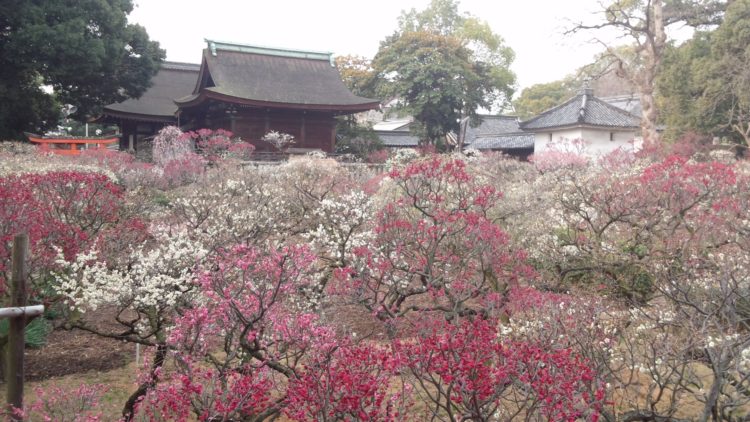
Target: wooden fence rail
x=17, y=313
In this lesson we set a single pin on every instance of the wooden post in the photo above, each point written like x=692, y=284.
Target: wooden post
x=302, y=134
x=16, y=340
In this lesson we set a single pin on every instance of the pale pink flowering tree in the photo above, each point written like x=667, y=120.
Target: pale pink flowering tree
x=219, y=145
x=61, y=404
x=666, y=239
x=171, y=144
x=174, y=154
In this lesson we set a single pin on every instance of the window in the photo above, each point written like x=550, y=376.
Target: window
x=611, y=136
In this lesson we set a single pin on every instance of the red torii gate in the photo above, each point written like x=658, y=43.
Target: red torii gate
x=70, y=145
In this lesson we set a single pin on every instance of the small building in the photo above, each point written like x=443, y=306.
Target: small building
x=249, y=90
x=494, y=133
x=601, y=126
x=397, y=138
x=140, y=118
x=500, y=133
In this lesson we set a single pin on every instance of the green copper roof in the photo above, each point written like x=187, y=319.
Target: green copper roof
x=214, y=45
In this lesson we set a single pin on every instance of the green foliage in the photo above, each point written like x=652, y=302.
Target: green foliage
x=85, y=51
x=679, y=83
x=704, y=84
x=355, y=138
x=444, y=65
x=36, y=332
x=635, y=284
x=540, y=97
x=357, y=74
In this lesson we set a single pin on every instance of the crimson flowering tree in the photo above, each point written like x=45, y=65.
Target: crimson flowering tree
x=268, y=350
x=349, y=382
x=435, y=247
x=249, y=323
x=233, y=395
x=66, y=209
x=465, y=372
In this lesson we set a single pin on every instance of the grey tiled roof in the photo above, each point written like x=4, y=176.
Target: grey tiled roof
x=505, y=141
x=173, y=80
x=273, y=76
x=194, y=67
x=493, y=125
x=494, y=132
x=582, y=110
x=400, y=139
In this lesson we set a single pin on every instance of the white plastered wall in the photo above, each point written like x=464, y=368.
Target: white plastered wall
x=598, y=141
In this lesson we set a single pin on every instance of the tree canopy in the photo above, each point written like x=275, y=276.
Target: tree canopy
x=444, y=65
x=643, y=23
x=85, y=52
x=539, y=97
x=357, y=74
x=704, y=85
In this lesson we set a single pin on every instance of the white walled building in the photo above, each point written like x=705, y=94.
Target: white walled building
x=601, y=126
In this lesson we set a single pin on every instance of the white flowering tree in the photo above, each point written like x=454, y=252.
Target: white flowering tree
x=145, y=294
x=665, y=239
x=229, y=207
x=280, y=140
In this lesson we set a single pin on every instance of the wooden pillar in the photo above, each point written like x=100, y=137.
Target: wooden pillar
x=333, y=135
x=16, y=340
x=131, y=143
x=268, y=123
x=302, y=135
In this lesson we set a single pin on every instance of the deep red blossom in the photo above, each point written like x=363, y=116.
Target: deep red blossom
x=65, y=209
x=469, y=374
x=346, y=383
x=436, y=246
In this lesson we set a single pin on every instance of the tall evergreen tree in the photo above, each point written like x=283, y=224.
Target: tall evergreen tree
x=84, y=51
x=705, y=83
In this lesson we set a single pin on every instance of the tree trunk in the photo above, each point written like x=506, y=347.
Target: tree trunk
x=128, y=412
x=648, y=117
x=653, y=51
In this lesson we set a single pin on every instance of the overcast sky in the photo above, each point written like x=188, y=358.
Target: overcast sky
x=532, y=28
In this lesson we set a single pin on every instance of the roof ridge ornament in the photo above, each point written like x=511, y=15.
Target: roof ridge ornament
x=214, y=46
x=586, y=92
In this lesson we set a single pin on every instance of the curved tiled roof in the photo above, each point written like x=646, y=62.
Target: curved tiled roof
x=582, y=110
x=402, y=139
x=493, y=125
x=498, y=132
x=173, y=80
x=518, y=140
x=272, y=77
